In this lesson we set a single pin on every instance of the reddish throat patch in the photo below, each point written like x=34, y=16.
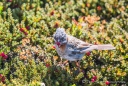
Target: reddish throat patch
x=62, y=47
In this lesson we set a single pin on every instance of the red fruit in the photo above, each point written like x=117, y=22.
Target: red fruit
x=47, y=65
x=54, y=47
x=107, y=82
x=28, y=27
x=88, y=5
x=95, y=78
x=121, y=40
x=99, y=8
x=88, y=53
x=56, y=25
x=95, y=43
x=52, y=13
x=92, y=80
x=0, y=76
x=25, y=33
x=3, y=79
x=4, y=56
x=21, y=29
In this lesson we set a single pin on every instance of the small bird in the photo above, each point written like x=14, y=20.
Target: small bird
x=73, y=49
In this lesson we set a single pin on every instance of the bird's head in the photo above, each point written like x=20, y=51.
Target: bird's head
x=60, y=37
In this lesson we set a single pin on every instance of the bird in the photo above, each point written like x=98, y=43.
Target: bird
x=73, y=49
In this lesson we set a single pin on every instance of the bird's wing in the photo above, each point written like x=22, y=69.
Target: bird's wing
x=77, y=44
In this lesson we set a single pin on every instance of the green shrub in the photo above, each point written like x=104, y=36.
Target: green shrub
x=26, y=43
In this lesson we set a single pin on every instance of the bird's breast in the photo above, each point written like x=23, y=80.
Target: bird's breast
x=69, y=52
x=61, y=50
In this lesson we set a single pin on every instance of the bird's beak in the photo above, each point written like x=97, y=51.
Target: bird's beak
x=58, y=43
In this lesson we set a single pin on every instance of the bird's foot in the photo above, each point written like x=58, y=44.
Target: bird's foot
x=63, y=64
x=78, y=64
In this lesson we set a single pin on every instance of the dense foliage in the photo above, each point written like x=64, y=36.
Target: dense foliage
x=27, y=53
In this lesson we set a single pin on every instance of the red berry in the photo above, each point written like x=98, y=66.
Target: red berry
x=3, y=79
x=0, y=76
x=88, y=53
x=121, y=40
x=21, y=29
x=3, y=55
x=95, y=43
x=99, y=8
x=88, y=5
x=92, y=80
x=56, y=25
x=54, y=47
x=52, y=13
x=25, y=33
x=28, y=27
x=95, y=78
x=47, y=65
x=107, y=82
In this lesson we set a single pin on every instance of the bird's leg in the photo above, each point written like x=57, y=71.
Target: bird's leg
x=65, y=62
x=78, y=63
x=61, y=63
x=70, y=64
x=78, y=67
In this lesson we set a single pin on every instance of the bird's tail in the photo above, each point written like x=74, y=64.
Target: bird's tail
x=105, y=47
x=99, y=47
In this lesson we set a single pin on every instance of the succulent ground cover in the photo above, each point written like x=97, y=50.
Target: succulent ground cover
x=27, y=53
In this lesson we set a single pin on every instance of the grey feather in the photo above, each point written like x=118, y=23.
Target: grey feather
x=99, y=47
